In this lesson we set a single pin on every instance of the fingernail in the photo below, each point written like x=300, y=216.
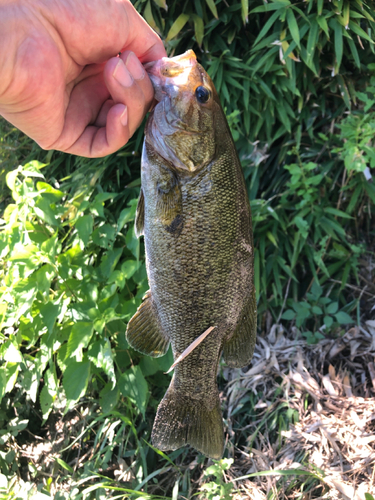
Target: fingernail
x=122, y=75
x=124, y=117
x=134, y=66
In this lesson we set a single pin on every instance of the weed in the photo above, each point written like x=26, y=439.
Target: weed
x=217, y=489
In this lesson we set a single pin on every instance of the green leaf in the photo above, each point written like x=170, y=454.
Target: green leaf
x=52, y=194
x=84, y=226
x=199, y=29
x=272, y=239
x=108, y=398
x=289, y=314
x=48, y=393
x=109, y=261
x=10, y=353
x=162, y=4
x=267, y=26
x=11, y=178
x=302, y=225
x=104, y=236
x=129, y=267
x=293, y=26
x=317, y=310
x=177, y=26
x=245, y=11
x=49, y=313
x=63, y=464
x=312, y=39
x=100, y=353
x=132, y=242
x=337, y=212
x=11, y=374
x=127, y=215
x=359, y=31
x=270, y=6
x=332, y=308
x=343, y=318
x=267, y=90
x=3, y=381
x=79, y=339
x=328, y=321
x=212, y=7
x=133, y=385
x=338, y=45
x=147, y=14
x=44, y=211
x=75, y=380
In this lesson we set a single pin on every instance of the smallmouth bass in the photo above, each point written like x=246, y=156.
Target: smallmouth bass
x=195, y=216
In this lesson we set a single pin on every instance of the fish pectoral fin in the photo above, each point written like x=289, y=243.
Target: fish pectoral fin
x=140, y=215
x=169, y=206
x=181, y=420
x=239, y=349
x=144, y=332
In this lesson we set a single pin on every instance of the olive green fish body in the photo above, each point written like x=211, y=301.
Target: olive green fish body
x=199, y=254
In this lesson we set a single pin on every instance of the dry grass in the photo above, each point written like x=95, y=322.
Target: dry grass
x=332, y=386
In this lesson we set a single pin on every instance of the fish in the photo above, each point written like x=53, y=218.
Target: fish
x=194, y=214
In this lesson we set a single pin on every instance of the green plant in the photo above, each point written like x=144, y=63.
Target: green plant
x=70, y=276
x=320, y=314
x=217, y=489
x=357, y=133
x=302, y=236
x=58, y=302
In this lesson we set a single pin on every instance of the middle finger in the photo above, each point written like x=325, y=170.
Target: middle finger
x=129, y=84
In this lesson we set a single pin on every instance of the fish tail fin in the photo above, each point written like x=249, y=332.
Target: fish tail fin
x=181, y=420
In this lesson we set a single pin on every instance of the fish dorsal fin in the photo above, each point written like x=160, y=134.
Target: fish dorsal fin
x=144, y=332
x=169, y=202
x=140, y=215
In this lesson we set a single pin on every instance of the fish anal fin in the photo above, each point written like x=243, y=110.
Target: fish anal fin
x=144, y=332
x=140, y=215
x=239, y=349
x=181, y=420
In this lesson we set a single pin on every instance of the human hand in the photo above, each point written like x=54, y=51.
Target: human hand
x=61, y=81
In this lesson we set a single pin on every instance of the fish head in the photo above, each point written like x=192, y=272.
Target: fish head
x=181, y=127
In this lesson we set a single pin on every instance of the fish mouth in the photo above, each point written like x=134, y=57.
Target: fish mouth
x=173, y=71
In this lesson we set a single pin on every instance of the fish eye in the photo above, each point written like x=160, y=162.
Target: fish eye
x=202, y=94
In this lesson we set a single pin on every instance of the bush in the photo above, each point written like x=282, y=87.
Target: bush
x=296, y=82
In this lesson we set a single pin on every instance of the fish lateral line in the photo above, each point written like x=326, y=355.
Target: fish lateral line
x=191, y=347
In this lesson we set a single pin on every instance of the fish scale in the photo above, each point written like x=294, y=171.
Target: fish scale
x=195, y=216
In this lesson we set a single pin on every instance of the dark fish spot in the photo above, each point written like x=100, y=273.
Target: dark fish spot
x=175, y=227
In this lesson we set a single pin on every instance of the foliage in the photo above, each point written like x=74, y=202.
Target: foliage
x=218, y=489
x=357, y=133
x=274, y=62
x=297, y=84
x=320, y=312
x=64, y=293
